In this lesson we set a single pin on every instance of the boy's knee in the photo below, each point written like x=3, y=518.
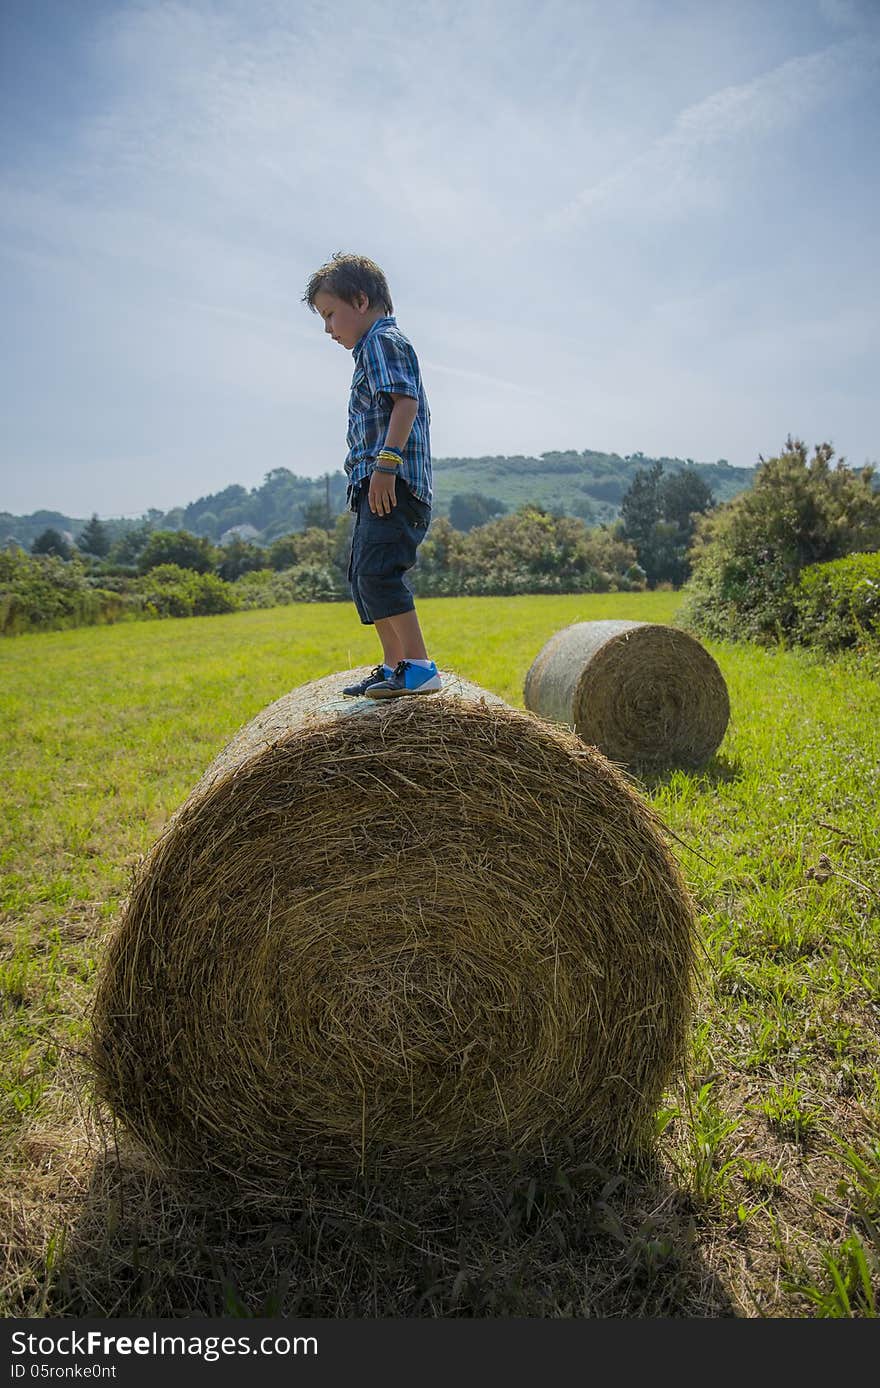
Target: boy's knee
x=384, y=594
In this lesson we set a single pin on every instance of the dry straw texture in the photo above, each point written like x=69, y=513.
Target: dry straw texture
x=648, y=696
x=385, y=936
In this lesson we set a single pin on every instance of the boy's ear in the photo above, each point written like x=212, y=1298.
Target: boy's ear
x=362, y=302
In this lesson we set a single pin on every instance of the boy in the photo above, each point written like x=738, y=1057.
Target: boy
x=388, y=467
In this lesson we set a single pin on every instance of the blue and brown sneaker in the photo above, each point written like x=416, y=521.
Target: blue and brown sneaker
x=407, y=678
x=356, y=691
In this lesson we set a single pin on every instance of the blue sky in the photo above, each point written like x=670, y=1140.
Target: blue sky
x=643, y=225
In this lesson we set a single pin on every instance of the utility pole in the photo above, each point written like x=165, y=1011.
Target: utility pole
x=328, y=502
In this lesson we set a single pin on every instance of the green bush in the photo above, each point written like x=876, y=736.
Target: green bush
x=238, y=558
x=530, y=551
x=180, y=549
x=313, y=582
x=170, y=591
x=258, y=589
x=41, y=592
x=838, y=604
x=300, y=583
x=750, y=552
x=738, y=597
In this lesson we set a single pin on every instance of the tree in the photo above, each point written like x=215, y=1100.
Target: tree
x=658, y=515
x=748, y=553
x=213, y=514
x=316, y=515
x=683, y=496
x=178, y=547
x=316, y=546
x=584, y=508
x=126, y=549
x=94, y=539
x=640, y=513
x=284, y=552
x=51, y=542
x=240, y=557
x=470, y=509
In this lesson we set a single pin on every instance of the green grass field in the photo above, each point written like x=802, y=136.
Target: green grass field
x=766, y=1197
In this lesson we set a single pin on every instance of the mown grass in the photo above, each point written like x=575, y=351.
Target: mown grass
x=765, y=1197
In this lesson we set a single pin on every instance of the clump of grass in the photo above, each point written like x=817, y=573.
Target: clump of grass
x=789, y=1113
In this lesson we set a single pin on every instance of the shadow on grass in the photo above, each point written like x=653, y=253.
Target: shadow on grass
x=719, y=770
x=578, y=1242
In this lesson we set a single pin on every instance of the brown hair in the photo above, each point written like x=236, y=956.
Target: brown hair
x=346, y=276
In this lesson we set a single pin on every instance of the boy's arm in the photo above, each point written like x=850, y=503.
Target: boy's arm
x=403, y=416
x=383, y=485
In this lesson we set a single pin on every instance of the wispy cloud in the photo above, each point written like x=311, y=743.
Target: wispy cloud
x=687, y=169
x=480, y=378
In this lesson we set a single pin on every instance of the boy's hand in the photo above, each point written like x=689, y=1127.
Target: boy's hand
x=382, y=495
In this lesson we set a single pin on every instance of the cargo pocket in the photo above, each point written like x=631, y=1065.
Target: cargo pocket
x=417, y=512
x=389, y=545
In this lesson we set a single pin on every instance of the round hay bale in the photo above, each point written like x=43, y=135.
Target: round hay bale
x=646, y=695
x=395, y=935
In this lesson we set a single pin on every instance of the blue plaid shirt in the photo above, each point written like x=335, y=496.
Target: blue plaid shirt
x=385, y=364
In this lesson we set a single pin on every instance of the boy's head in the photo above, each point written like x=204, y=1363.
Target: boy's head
x=350, y=292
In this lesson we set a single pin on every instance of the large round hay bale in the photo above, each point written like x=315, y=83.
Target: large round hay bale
x=390, y=935
x=646, y=695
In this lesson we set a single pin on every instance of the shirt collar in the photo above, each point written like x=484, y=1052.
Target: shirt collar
x=380, y=322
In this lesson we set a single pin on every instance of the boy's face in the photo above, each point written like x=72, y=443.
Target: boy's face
x=346, y=323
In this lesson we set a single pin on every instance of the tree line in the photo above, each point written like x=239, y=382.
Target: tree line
x=156, y=573
x=658, y=517
x=794, y=557
x=481, y=549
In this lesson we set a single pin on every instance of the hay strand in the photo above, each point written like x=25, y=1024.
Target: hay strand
x=391, y=935
x=647, y=695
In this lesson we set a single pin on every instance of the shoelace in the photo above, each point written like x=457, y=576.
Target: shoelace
x=401, y=666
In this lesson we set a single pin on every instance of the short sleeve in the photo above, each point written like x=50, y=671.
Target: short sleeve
x=391, y=367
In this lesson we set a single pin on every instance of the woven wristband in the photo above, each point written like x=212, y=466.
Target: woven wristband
x=391, y=455
x=392, y=470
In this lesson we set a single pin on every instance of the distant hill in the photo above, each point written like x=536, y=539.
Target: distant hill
x=25, y=529
x=588, y=484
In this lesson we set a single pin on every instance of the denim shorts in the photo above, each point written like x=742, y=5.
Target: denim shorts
x=382, y=549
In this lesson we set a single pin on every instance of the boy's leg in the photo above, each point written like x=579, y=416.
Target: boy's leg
x=401, y=638
x=388, y=551
x=415, y=673
x=360, y=687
